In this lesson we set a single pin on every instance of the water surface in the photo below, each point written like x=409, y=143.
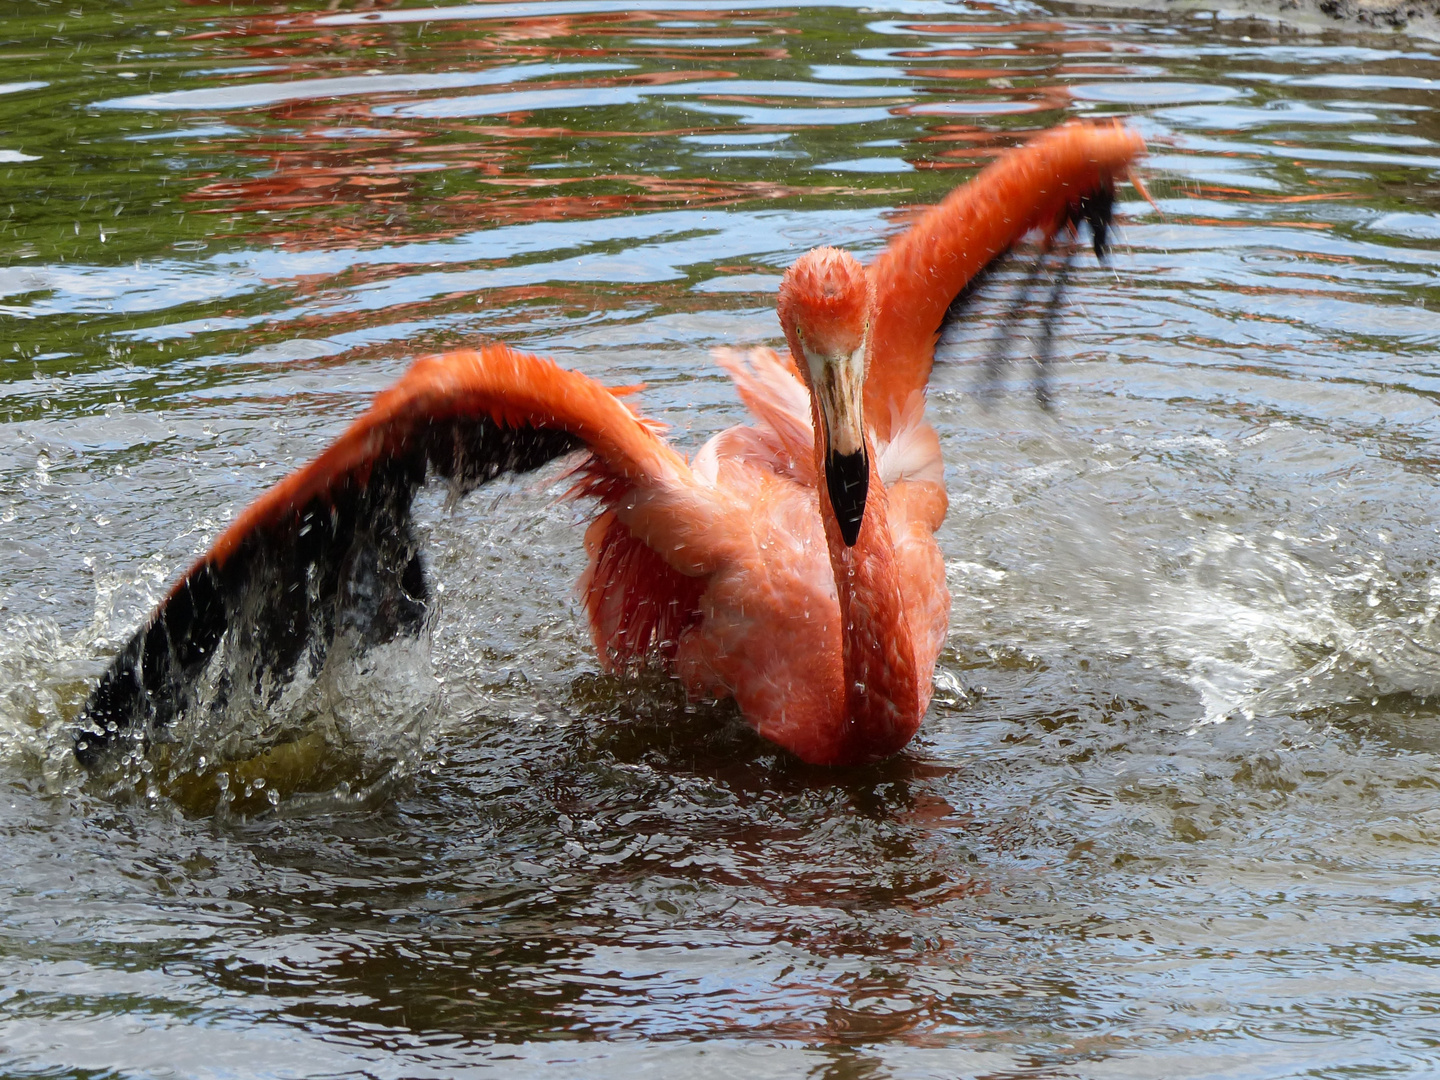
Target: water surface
x=1174, y=811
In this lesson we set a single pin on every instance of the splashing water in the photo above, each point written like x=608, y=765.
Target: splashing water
x=1173, y=811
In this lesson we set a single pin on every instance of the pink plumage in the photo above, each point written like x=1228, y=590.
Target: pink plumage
x=735, y=568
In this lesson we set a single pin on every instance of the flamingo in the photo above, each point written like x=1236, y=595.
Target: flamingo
x=790, y=564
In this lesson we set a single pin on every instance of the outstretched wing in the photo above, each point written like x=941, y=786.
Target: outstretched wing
x=1039, y=185
x=331, y=547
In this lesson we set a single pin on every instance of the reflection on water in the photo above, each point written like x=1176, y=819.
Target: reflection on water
x=1174, y=811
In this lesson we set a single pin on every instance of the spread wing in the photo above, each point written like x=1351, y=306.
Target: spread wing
x=331, y=548
x=1051, y=179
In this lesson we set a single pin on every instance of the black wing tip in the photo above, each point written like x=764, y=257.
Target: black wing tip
x=1096, y=210
x=346, y=561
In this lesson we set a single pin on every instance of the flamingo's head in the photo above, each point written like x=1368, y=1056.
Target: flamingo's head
x=824, y=306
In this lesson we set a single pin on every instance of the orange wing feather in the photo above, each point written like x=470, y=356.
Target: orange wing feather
x=638, y=604
x=332, y=543
x=926, y=267
x=513, y=389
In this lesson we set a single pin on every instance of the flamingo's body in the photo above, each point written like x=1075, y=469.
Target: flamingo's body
x=767, y=627
x=790, y=564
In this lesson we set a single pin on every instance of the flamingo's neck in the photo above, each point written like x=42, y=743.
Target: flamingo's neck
x=882, y=696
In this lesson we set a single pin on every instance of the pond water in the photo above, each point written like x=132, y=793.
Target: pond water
x=1176, y=809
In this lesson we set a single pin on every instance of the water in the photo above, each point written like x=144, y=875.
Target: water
x=1174, y=811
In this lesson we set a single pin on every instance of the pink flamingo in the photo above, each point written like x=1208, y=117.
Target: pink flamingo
x=791, y=564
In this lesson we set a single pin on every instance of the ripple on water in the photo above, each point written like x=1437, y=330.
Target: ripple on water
x=1174, y=809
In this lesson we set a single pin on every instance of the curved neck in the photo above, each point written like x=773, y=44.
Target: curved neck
x=882, y=695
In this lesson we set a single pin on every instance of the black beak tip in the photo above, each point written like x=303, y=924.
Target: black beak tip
x=847, y=479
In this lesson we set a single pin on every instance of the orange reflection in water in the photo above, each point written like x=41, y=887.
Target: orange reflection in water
x=465, y=212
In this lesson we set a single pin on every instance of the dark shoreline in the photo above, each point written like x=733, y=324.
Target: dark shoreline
x=1411, y=18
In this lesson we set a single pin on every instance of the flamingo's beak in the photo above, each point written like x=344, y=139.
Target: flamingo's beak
x=839, y=387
